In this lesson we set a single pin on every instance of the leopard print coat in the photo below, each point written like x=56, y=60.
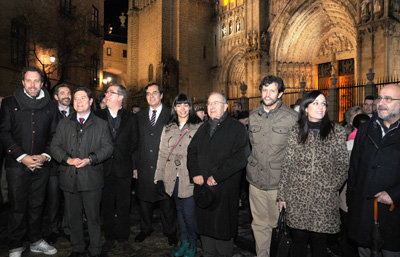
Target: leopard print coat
x=312, y=174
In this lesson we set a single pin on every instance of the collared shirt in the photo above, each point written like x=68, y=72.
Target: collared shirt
x=157, y=114
x=86, y=116
x=112, y=114
x=385, y=130
x=61, y=109
x=40, y=96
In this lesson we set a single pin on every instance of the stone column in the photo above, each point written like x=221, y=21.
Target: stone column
x=333, y=99
x=244, y=100
x=302, y=89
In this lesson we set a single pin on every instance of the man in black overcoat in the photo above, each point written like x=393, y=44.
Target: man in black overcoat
x=151, y=122
x=217, y=156
x=62, y=94
x=81, y=144
x=375, y=173
x=27, y=123
x=118, y=170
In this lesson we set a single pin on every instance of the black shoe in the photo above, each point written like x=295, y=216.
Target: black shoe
x=172, y=240
x=76, y=254
x=108, y=245
x=52, y=238
x=141, y=237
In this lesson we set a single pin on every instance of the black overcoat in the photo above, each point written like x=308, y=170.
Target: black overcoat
x=122, y=163
x=374, y=167
x=223, y=156
x=73, y=141
x=147, y=154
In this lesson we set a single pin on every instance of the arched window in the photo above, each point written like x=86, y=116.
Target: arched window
x=151, y=72
x=223, y=30
x=238, y=25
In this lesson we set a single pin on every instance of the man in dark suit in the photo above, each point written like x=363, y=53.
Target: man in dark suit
x=27, y=123
x=118, y=170
x=151, y=122
x=81, y=144
x=62, y=94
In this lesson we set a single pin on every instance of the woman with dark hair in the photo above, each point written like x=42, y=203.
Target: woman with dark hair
x=313, y=170
x=172, y=171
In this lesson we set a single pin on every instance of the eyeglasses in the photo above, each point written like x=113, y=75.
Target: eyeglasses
x=214, y=103
x=154, y=93
x=111, y=92
x=386, y=99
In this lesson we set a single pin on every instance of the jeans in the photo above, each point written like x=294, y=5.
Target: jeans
x=185, y=213
x=26, y=193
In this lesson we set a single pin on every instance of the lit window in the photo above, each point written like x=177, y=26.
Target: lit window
x=108, y=51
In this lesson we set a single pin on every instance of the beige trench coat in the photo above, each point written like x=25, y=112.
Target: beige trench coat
x=168, y=170
x=312, y=174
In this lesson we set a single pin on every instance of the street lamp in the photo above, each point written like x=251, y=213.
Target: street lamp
x=109, y=79
x=105, y=81
x=52, y=58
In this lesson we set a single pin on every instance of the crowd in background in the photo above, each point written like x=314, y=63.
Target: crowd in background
x=75, y=160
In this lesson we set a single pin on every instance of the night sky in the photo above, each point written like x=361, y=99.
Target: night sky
x=112, y=11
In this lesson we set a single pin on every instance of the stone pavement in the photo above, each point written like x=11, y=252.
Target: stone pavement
x=154, y=246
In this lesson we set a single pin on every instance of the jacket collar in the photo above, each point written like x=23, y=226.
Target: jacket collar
x=262, y=111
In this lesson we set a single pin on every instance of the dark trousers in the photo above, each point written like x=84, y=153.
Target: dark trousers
x=115, y=207
x=88, y=201
x=185, y=214
x=26, y=193
x=168, y=216
x=301, y=238
x=216, y=248
x=349, y=248
x=53, y=204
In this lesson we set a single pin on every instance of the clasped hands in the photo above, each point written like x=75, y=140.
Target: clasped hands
x=199, y=180
x=34, y=161
x=77, y=162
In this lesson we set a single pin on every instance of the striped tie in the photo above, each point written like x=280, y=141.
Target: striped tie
x=153, y=118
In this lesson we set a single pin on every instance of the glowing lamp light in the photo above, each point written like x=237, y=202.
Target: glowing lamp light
x=105, y=81
x=52, y=59
x=109, y=79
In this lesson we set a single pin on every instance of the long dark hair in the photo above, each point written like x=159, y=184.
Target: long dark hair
x=326, y=126
x=183, y=99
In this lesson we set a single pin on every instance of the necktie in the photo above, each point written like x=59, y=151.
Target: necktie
x=64, y=113
x=153, y=118
x=81, y=120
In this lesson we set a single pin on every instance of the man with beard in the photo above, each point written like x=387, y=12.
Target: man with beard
x=62, y=94
x=269, y=127
x=27, y=123
x=374, y=173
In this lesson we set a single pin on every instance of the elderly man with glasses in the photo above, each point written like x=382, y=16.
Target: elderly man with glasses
x=374, y=173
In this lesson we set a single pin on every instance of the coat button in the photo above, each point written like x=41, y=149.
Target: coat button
x=151, y=134
x=151, y=151
x=33, y=132
x=151, y=167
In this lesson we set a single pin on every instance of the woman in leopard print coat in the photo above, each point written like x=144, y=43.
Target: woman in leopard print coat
x=314, y=168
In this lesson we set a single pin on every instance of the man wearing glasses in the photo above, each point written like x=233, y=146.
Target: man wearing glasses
x=216, y=156
x=374, y=173
x=118, y=170
x=151, y=122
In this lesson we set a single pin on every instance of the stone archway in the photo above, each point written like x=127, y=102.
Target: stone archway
x=307, y=33
x=233, y=74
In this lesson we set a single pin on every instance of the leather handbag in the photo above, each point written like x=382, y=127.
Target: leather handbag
x=280, y=240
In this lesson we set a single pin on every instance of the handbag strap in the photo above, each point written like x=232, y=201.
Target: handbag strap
x=177, y=142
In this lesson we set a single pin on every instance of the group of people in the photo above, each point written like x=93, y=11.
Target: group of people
x=193, y=169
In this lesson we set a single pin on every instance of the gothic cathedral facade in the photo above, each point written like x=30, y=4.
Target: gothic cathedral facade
x=199, y=46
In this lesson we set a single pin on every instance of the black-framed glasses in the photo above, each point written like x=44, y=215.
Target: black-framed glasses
x=387, y=99
x=154, y=93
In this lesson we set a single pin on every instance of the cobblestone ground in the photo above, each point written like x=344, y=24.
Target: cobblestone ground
x=154, y=246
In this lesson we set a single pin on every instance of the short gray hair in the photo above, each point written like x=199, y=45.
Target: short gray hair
x=121, y=90
x=350, y=112
x=220, y=94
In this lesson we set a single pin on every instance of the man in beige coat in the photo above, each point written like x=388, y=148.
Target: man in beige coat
x=269, y=127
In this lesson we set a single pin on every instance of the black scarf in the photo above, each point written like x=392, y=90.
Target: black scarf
x=214, y=123
x=114, y=123
x=25, y=102
x=314, y=127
